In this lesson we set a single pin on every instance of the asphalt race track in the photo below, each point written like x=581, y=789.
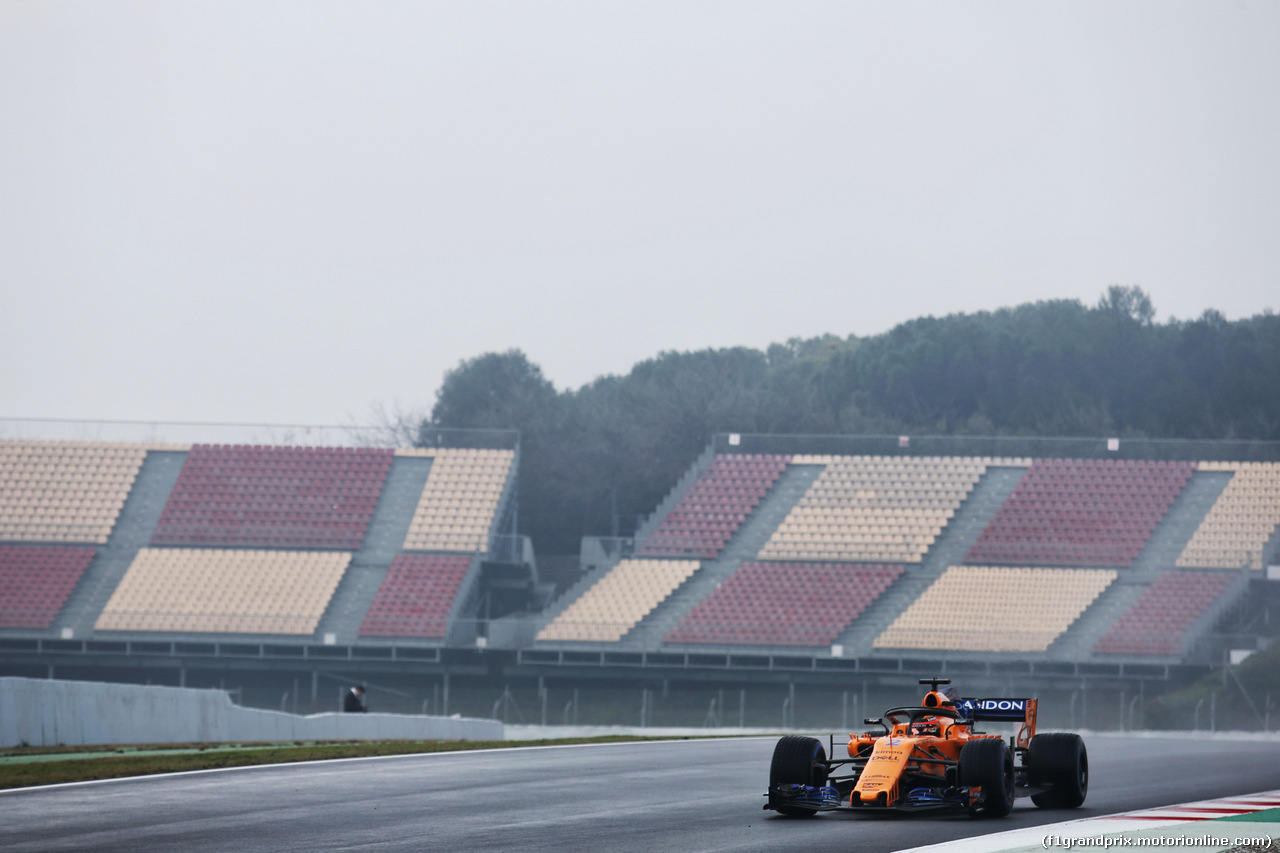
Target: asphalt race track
x=676, y=796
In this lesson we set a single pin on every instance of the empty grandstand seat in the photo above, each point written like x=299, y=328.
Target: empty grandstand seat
x=224, y=591
x=274, y=497
x=618, y=601
x=996, y=609
x=1081, y=512
x=875, y=509
x=35, y=582
x=1156, y=623
x=784, y=604
x=1241, y=522
x=416, y=596
x=717, y=503
x=460, y=501
x=64, y=491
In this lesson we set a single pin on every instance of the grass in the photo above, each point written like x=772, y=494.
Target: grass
x=28, y=766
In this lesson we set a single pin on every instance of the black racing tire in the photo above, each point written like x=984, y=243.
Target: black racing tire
x=988, y=763
x=1060, y=761
x=798, y=760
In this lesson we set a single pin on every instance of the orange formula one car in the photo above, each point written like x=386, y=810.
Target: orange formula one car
x=933, y=757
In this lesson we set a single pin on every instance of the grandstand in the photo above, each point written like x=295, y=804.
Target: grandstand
x=801, y=557
x=1242, y=522
x=64, y=492
x=1081, y=512
x=167, y=540
x=416, y=596
x=874, y=508
x=35, y=582
x=1159, y=621
x=880, y=555
x=624, y=596
x=221, y=591
x=275, y=497
x=784, y=604
x=996, y=609
x=715, y=506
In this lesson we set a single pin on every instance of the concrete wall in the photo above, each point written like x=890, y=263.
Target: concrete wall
x=48, y=713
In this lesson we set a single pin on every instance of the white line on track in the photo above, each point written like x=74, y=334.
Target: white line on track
x=1193, y=820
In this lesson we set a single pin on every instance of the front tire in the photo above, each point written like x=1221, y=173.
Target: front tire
x=797, y=760
x=1060, y=761
x=988, y=763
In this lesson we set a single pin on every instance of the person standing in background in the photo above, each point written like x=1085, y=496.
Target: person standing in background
x=353, y=703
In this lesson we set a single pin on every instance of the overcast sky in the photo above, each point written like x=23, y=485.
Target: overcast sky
x=291, y=211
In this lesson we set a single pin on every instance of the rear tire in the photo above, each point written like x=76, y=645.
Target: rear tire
x=798, y=760
x=988, y=763
x=1060, y=761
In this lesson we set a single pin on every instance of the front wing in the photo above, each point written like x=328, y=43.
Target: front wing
x=828, y=798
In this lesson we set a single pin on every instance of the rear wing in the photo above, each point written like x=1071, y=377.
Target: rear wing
x=1002, y=711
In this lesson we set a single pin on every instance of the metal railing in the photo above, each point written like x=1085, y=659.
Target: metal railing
x=597, y=550
x=513, y=550
x=267, y=434
x=1001, y=446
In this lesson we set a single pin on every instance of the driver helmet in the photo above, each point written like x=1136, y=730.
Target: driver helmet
x=926, y=726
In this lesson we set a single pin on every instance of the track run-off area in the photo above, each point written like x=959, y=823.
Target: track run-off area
x=683, y=795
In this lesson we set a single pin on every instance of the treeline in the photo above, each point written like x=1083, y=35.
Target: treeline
x=597, y=457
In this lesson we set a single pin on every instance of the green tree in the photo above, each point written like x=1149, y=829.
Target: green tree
x=596, y=457
x=497, y=391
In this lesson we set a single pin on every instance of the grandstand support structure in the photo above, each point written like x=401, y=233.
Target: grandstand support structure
x=1202, y=643
x=423, y=675
x=463, y=628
